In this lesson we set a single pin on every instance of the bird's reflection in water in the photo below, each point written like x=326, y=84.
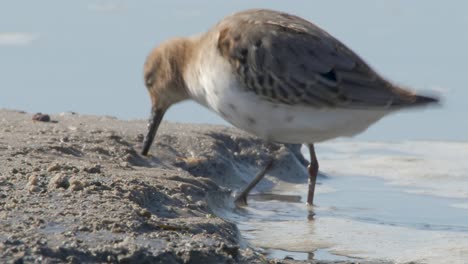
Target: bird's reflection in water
x=310, y=214
x=261, y=197
x=310, y=256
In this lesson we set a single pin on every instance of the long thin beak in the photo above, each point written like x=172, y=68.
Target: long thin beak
x=153, y=124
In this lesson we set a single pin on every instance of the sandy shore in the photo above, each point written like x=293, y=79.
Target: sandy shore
x=76, y=190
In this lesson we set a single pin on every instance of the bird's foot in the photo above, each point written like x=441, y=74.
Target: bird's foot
x=310, y=213
x=241, y=200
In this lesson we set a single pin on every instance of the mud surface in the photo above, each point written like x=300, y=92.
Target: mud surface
x=75, y=189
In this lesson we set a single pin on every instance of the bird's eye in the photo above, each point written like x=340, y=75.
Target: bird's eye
x=149, y=80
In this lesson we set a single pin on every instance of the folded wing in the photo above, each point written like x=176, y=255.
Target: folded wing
x=288, y=60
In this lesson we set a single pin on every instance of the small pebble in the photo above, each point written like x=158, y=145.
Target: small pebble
x=95, y=169
x=9, y=206
x=144, y=213
x=76, y=185
x=59, y=181
x=33, y=180
x=201, y=204
x=124, y=164
x=209, y=216
x=139, y=138
x=96, y=131
x=54, y=167
x=34, y=189
x=73, y=259
x=41, y=117
x=127, y=157
x=83, y=228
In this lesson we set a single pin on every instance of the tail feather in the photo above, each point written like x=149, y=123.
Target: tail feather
x=417, y=101
x=424, y=100
x=407, y=98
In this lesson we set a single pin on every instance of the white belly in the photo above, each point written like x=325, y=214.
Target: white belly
x=293, y=124
x=212, y=84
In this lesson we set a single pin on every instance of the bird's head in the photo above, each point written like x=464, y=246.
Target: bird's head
x=163, y=74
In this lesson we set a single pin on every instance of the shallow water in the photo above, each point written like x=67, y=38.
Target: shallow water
x=371, y=200
x=361, y=216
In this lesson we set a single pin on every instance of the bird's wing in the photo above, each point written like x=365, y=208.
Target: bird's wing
x=288, y=60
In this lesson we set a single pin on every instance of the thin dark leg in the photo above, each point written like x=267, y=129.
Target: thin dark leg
x=241, y=199
x=313, y=171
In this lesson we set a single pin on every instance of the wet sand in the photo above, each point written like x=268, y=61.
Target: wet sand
x=75, y=189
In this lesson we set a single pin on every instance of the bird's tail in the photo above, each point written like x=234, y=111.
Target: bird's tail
x=421, y=100
x=407, y=98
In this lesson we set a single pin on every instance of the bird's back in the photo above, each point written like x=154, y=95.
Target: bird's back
x=285, y=59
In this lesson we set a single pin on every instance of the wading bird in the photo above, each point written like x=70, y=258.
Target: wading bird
x=277, y=76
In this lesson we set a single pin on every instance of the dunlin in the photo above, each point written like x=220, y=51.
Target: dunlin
x=275, y=75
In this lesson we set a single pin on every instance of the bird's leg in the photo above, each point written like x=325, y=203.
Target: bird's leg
x=313, y=171
x=241, y=199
